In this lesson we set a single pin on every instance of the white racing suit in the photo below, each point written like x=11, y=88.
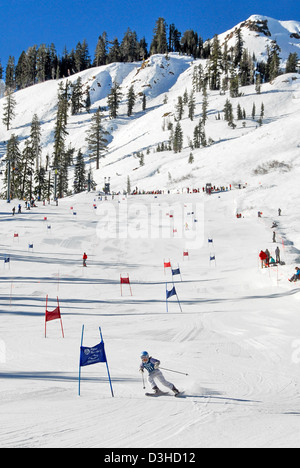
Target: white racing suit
x=155, y=373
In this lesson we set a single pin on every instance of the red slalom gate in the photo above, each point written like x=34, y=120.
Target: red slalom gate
x=167, y=265
x=53, y=315
x=125, y=280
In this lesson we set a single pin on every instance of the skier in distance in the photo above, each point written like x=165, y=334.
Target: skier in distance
x=152, y=366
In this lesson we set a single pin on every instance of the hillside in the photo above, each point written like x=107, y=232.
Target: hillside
x=163, y=79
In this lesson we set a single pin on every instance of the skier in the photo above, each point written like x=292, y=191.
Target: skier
x=152, y=366
x=84, y=259
x=274, y=236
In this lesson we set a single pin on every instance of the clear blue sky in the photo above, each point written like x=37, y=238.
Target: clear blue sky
x=24, y=23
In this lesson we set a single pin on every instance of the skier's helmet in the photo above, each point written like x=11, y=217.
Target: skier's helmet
x=144, y=356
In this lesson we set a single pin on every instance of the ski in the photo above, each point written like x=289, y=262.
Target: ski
x=179, y=394
x=157, y=394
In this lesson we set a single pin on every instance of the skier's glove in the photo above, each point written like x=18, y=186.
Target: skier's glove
x=141, y=370
x=156, y=365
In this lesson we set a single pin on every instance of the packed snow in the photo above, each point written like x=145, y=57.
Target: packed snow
x=237, y=334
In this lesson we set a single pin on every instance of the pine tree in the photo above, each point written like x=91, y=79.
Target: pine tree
x=144, y=102
x=81, y=57
x=129, y=47
x=174, y=39
x=10, y=74
x=88, y=101
x=13, y=157
x=178, y=139
x=80, y=174
x=228, y=114
x=199, y=135
x=179, y=108
x=215, y=64
x=273, y=61
x=101, y=51
x=35, y=136
x=239, y=112
x=189, y=44
x=130, y=100
x=114, y=99
x=191, y=105
x=43, y=64
x=26, y=170
x=246, y=73
x=60, y=133
x=143, y=52
x=77, y=97
x=233, y=84
x=159, y=43
x=204, y=104
x=258, y=84
x=238, y=48
x=41, y=183
x=128, y=186
x=114, y=54
x=9, y=109
x=292, y=63
x=96, y=138
x=22, y=75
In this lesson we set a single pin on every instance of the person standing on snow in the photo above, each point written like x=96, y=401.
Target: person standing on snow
x=152, y=366
x=84, y=259
x=277, y=253
x=263, y=258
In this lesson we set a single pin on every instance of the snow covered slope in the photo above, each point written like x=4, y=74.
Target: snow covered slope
x=237, y=335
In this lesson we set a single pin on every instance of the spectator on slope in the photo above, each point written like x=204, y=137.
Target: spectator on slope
x=296, y=276
x=268, y=257
x=263, y=258
x=84, y=259
x=277, y=253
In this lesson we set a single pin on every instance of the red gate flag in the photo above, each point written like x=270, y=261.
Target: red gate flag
x=53, y=315
x=167, y=265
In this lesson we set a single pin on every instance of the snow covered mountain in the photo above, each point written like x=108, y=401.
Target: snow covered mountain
x=163, y=81
x=258, y=32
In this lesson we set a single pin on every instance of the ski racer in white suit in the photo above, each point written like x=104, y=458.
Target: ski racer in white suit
x=152, y=366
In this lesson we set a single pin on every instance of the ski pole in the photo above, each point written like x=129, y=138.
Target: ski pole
x=176, y=372
x=143, y=380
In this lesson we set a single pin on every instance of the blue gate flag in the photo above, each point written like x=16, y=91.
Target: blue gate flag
x=89, y=356
x=212, y=258
x=171, y=293
x=176, y=272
